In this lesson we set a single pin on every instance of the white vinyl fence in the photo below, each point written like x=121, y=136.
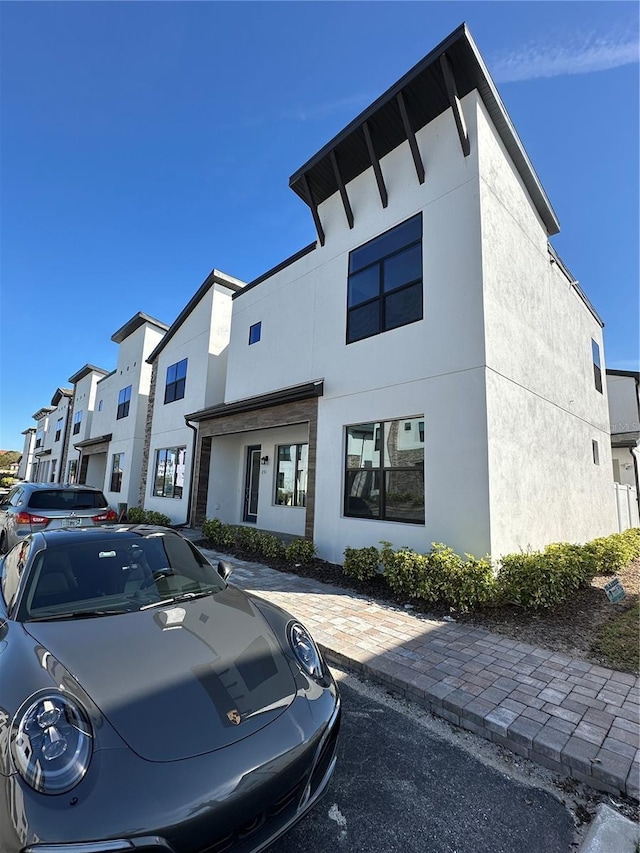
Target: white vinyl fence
x=627, y=506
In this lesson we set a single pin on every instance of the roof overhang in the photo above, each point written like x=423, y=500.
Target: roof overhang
x=625, y=439
x=90, y=442
x=249, y=404
x=439, y=81
x=135, y=323
x=85, y=371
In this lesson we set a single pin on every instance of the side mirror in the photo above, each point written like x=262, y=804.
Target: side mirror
x=224, y=569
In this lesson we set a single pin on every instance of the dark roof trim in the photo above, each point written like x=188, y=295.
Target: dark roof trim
x=133, y=324
x=98, y=440
x=263, y=401
x=281, y=266
x=556, y=259
x=625, y=439
x=214, y=277
x=632, y=374
x=46, y=452
x=424, y=92
x=85, y=371
x=106, y=376
x=43, y=412
x=60, y=393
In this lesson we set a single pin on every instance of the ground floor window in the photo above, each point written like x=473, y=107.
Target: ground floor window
x=168, y=480
x=117, y=467
x=72, y=473
x=291, y=475
x=384, y=470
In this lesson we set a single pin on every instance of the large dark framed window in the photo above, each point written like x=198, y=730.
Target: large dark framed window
x=58, y=429
x=291, y=475
x=597, y=370
x=124, y=400
x=384, y=471
x=168, y=479
x=39, y=437
x=176, y=381
x=384, y=290
x=117, y=466
x=77, y=422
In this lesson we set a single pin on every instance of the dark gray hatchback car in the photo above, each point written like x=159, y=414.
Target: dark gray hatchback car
x=147, y=704
x=30, y=507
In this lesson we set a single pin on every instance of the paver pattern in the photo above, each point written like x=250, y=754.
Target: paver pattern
x=566, y=714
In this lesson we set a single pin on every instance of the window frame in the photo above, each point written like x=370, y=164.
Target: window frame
x=180, y=451
x=597, y=368
x=297, y=469
x=377, y=265
x=117, y=471
x=175, y=388
x=124, y=403
x=383, y=470
x=255, y=333
x=77, y=422
x=59, y=425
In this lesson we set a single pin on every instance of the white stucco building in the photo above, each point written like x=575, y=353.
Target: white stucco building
x=85, y=383
x=624, y=413
x=189, y=367
x=428, y=370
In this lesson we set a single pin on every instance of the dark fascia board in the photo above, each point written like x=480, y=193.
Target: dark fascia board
x=46, y=452
x=625, y=439
x=85, y=371
x=60, y=393
x=106, y=376
x=631, y=374
x=263, y=401
x=43, y=412
x=133, y=324
x=278, y=268
x=97, y=440
x=214, y=277
x=573, y=281
x=28, y=431
x=424, y=90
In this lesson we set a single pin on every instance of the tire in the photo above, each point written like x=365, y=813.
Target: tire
x=3, y=543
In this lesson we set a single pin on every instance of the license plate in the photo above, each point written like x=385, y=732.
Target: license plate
x=71, y=522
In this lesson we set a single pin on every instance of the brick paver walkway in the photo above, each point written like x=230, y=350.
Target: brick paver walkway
x=573, y=717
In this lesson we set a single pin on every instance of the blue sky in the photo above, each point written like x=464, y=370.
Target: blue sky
x=144, y=143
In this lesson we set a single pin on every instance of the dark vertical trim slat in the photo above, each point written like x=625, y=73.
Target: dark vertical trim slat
x=382, y=189
x=411, y=137
x=314, y=209
x=454, y=100
x=343, y=190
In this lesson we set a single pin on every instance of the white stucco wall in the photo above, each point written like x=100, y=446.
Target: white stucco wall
x=624, y=404
x=543, y=408
x=84, y=401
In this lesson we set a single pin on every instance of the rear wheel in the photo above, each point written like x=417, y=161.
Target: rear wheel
x=3, y=542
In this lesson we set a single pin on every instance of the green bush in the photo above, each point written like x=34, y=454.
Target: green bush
x=6, y=482
x=272, y=548
x=407, y=572
x=471, y=584
x=610, y=554
x=542, y=579
x=247, y=539
x=361, y=563
x=300, y=551
x=220, y=535
x=137, y=515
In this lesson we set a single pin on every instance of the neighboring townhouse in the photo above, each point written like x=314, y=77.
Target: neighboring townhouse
x=85, y=383
x=428, y=369
x=188, y=372
x=624, y=413
x=51, y=434
x=111, y=455
x=25, y=467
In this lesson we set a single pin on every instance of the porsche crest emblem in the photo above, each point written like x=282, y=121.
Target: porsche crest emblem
x=234, y=717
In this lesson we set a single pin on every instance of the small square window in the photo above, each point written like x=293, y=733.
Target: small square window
x=596, y=452
x=254, y=333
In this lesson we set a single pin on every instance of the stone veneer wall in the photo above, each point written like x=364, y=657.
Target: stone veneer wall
x=287, y=414
x=147, y=435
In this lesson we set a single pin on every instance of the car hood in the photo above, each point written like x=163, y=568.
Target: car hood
x=178, y=680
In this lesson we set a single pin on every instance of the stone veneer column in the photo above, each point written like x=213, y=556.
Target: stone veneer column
x=147, y=434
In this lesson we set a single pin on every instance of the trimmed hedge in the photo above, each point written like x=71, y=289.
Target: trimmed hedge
x=247, y=540
x=137, y=515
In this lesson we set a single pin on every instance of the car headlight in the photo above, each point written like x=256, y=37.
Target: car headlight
x=305, y=649
x=51, y=743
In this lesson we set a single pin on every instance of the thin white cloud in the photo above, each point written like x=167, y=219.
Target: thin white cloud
x=316, y=112
x=581, y=54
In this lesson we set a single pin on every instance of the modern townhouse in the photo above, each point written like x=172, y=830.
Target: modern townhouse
x=51, y=437
x=85, y=384
x=624, y=414
x=111, y=455
x=428, y=369
x=25, y=466
x=188, y=372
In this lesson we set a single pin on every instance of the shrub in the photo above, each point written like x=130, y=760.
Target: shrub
x=135, y=515
x=300, y=551
x=153, y=517
x=610, y=554
x=471, y=584
x=361, y=563
x=272, y=548
x=542, y=579
x=407, y=572
x=6, y=482
x=247, y=539
x=220, y=535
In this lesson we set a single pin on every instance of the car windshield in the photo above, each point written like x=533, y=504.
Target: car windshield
x=113, y=575
x=70, y=499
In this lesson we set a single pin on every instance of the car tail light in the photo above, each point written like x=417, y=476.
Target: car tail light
x=28, y=518
x=109, y=515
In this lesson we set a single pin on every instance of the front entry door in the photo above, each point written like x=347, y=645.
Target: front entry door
x=251, y=483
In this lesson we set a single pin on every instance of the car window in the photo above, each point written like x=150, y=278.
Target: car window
x=13, y=565
x=67, y=499
x=113, y=574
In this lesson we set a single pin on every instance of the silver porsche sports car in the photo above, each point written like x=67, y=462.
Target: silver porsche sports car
x=148, y=705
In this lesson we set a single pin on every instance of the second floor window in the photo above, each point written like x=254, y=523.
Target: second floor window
x=176, y=381
x=58, y=429
x=385, y=282
x=39, y=436
x=597, y=370
x=77, y=422
x=124, y=399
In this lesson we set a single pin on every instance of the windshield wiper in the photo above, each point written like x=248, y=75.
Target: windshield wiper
x=181, y=596
x=78, y=614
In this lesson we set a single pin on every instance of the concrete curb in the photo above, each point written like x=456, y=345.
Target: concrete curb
x=610, y=832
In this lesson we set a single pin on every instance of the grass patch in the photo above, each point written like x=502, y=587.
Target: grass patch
x=617, y=641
